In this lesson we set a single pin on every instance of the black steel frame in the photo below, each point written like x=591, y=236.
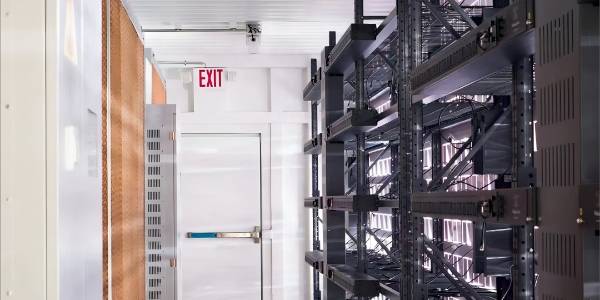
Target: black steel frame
x=421, y=56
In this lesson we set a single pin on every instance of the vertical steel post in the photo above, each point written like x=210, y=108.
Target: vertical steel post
x=362, y=183
x=332, y=161
x=316, y=244
x=404, y=177
x=408, y=14
x=361, y=189
x=358, y=11
x=522, y=272
x=394, y=191
x=418, y=185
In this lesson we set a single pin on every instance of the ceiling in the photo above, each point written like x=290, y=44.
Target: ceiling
x=288, y=26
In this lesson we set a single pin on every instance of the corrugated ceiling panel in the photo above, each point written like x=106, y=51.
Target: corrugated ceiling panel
x=289, y=26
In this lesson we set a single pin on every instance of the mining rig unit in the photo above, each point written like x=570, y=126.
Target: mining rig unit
x=454, y=153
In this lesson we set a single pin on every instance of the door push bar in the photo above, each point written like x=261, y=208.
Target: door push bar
x=255, y=235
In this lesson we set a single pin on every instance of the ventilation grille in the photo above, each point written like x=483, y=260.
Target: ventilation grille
x=153, y=232
x=154, y=158
x=458, y=57
x=557, y=101
x=558, y=254
x=153, y=221
x=154, y=245
x=154, y=170
x=154, y=294
x=153, y=282
x=558, y=165
x=556, y=38
x=153, y=196
x=153, y=133
x=153, y=208
x=153, y=146
x=154, y=270
x=153, y=183
x=154, y=258
x=551, y=297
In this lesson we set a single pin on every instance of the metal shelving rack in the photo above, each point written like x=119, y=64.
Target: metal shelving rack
x=431, y=184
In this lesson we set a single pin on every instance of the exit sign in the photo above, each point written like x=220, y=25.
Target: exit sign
x=210, y=77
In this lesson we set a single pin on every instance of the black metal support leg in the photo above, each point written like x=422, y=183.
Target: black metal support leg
x=334, y=222
x=523, y=273
x=394, y=191
x=316, y=244
x=408, y=12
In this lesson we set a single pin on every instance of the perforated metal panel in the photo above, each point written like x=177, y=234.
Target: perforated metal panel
x=160, y=202
x=566, y=242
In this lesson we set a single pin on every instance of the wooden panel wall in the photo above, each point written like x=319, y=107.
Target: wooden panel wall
x=159, y=93
x=127, y=157
x=105, y=217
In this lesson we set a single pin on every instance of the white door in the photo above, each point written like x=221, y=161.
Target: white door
x=220, y=192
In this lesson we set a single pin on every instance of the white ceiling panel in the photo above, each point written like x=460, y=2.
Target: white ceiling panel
x=288, y=26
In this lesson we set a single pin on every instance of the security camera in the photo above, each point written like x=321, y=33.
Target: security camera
x=253, y=34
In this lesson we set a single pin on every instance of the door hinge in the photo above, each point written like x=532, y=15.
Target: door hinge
x=172, y=134
x=173, y=262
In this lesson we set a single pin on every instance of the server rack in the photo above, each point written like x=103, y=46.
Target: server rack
x=432, y=186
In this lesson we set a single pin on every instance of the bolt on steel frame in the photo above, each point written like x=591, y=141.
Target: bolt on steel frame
x=450, y=69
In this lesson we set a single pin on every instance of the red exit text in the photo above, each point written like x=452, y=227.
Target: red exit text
x=210, y=78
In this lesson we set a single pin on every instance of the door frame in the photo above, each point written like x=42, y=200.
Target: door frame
x=264, y=134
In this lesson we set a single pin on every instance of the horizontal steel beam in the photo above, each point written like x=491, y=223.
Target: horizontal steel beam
x=315, y=259
x=516, y=206
x=478, y=54
x=349, y=203
x=352, y=123
x=374, y=17
x=348, y=278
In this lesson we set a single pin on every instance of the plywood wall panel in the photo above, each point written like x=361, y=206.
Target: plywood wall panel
x=105, y=218
x=126, y=111
x=159, y=93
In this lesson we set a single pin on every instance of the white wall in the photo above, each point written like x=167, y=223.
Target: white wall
x=248, y=92
x=23, y=199
x=268, y=98
x=180, y=89
x=289, y=169
x=79, y=149
x=50, y=211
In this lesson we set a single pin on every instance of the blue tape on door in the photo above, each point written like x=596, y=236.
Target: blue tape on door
x=201, y=235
